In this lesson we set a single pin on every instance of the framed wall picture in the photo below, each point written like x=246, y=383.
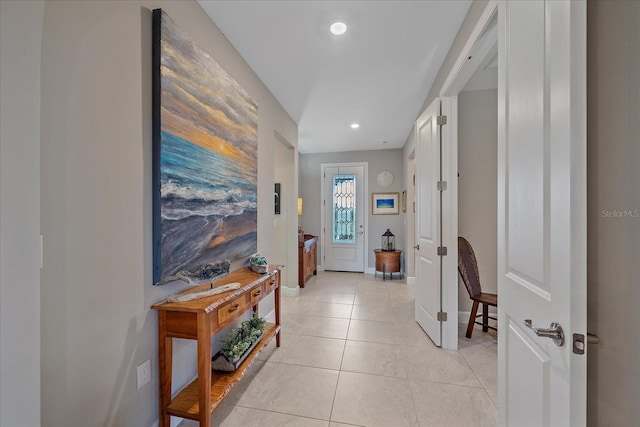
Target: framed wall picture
x=205, y=159
x=384, y=203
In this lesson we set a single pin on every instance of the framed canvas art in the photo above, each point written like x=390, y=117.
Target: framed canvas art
x=384, y=203
x=205, y=149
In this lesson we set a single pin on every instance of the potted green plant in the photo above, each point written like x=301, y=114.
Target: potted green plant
x=258, y=263
x=238, y=344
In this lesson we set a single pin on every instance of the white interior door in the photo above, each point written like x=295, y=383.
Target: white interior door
x=428, y=222
x=344, y=190
x=541, y=210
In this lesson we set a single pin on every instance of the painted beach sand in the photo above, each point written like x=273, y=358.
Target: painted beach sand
x=208, y=160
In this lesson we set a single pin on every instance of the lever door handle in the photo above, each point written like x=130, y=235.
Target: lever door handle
x=554, y=332
x=416, y=247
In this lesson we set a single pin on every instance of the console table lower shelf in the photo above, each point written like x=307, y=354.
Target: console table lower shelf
x=186, y=405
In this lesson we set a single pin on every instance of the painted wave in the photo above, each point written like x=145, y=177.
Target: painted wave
x=208, y=209
x=196, y=181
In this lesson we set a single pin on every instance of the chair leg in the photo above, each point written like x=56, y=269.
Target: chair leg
x=485, y=317
x=472, y=318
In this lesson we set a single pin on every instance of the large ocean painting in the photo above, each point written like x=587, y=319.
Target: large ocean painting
x=205, y=129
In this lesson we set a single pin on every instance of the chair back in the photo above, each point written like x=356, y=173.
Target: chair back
x=468, y=267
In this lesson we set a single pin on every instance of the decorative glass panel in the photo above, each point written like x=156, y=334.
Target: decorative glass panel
x=344, y=209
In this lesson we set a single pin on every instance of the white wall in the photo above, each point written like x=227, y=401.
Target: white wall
x=96, y=205
x=20, y=47
x=378, y=160
x=478, y=185
x=613, y=184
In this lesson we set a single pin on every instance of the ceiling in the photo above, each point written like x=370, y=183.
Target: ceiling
x=377, y=74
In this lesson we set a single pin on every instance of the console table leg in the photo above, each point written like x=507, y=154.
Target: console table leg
x=276, y=303
x=204, y=369
x=165, y=353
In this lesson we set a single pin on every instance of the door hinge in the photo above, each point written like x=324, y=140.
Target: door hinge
x=442, y=185
x=442, y=250
x=442, y=316
x=441, y=120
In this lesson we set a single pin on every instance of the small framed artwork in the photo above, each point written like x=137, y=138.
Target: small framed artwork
x=404, y=201
x=384, y=203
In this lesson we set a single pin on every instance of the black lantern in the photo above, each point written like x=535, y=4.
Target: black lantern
x=388, y=241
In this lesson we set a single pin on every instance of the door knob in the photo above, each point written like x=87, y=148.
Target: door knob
x=416, y=247
x=554, y=332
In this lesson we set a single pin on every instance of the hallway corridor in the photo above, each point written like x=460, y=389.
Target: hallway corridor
x=352, y=355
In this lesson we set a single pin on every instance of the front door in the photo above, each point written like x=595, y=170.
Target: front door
x=541, y=211
x=344, y=210
x=428, y=222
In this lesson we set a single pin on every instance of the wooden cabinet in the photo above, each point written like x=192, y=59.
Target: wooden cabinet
x=307, y=258
x=387, y=262
x=200, y=320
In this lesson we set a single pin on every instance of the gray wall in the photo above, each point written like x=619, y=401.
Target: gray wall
x=96, y=205
x=613, y=184
x=478, y=185
x=469, y=22
x=378, y=160
x=20, y=48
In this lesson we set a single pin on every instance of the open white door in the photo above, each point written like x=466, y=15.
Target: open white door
x=541, y=211
x=428, y=227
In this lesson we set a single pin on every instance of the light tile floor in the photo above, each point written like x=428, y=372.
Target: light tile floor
x=352, y=355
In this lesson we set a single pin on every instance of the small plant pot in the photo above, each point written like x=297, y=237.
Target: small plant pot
x=257, y=268
x=220, y=363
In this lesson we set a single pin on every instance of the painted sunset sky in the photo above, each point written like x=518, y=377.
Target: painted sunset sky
x=208, y=159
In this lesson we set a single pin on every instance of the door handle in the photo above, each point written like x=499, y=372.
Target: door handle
x=554, y=332
x=416, y=247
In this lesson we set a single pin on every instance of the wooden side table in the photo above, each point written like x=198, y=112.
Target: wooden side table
x=387, y=262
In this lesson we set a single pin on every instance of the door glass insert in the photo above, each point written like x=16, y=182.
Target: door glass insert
x=344, y=208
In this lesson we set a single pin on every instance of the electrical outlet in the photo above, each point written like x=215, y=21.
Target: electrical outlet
x=144, y=373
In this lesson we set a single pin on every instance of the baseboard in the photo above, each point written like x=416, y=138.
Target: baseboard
x=411, y=280
x=463, y=317
x=286, y=291
x=370, y=270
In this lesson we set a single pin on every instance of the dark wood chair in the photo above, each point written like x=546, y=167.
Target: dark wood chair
x=468, y=269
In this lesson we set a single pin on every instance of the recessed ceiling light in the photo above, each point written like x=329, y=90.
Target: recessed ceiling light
x=338, y=28
x=355, y=125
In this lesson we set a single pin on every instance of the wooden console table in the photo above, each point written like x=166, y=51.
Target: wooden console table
x=200, y=320
x=387, y=262
x=307, y=258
